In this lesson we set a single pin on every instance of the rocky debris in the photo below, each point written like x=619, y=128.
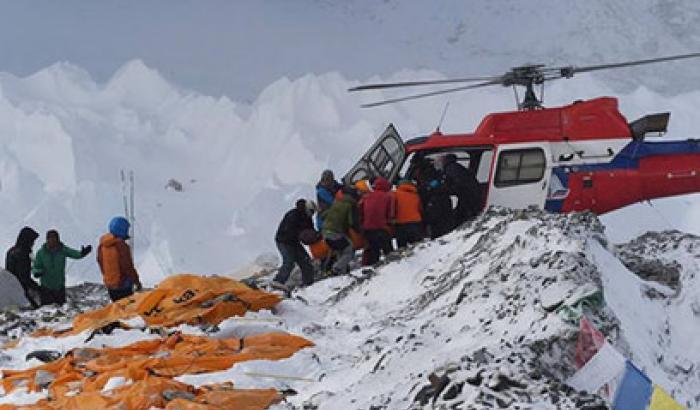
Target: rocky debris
x=18, y=321
x=45, y=356
x=661, y=257
x=483, y=325
x=517, y=378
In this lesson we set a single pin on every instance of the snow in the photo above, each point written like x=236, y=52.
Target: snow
x=474, y=306
x=262, y=125
x=115, y=382
x=14, y=358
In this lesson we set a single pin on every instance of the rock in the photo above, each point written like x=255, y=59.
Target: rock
x=43, y=378
x=454, y=390
x=45, y=356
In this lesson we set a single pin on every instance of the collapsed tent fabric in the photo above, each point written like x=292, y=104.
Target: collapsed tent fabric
x=158, y=392
x=178, y=299
x=77, y=380
x=11, y=291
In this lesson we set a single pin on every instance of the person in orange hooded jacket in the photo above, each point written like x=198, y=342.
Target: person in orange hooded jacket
x=409, y=214
x=114, y=257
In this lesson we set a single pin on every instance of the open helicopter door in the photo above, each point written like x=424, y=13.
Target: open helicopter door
x=384, y=158
x=520, y=176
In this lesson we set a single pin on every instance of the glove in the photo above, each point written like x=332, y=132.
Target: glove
x=85, y=250
x=38, y=274
x=138, y=286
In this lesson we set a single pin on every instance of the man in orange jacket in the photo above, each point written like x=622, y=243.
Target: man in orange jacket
x=409, y=218
x=114, y=257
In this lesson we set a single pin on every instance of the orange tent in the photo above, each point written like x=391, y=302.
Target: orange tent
x=178, y=299
x=154, y=392
x=76, y=381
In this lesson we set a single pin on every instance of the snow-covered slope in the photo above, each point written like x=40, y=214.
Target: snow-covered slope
x=65, y=139
x=479, y=308
x=488, y=313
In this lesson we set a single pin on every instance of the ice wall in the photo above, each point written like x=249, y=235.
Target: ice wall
x=65, y=139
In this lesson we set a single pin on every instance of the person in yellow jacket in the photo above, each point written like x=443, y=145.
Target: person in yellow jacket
x=115, y=260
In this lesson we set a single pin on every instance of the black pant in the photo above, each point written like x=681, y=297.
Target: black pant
x=409, y=233
x=121, y=293
x=465, y=210
x=49, y=296
x=294, y=253
x=438, y=215
x=378, y=241
x=32, y=290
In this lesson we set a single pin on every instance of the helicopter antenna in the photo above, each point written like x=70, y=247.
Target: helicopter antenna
x=527, y=76
x=442, y=118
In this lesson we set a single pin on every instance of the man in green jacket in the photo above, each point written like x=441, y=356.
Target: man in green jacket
x=50, y=267
x=337, y=221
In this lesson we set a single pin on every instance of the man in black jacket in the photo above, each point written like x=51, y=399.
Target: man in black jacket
x=462, y=182
x=293, y=224
x=19, y=262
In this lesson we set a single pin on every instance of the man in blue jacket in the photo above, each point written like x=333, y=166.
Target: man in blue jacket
x=326, y=189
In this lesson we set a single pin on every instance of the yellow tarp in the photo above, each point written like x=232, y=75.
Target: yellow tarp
x=178, y=299
x=78, y=378
x=660, y=400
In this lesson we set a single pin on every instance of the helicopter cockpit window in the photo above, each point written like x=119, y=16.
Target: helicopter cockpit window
x=520, y=166
x=392, y=147
x=383, y=158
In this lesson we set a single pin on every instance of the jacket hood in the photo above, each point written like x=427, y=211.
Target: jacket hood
x=45, y=247
x=407, y=187
x=119, y=226
x=26, y=237
x=381, y=184
x=109, y=239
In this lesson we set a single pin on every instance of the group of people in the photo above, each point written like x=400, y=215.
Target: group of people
x=49, y=264
x=420, y=206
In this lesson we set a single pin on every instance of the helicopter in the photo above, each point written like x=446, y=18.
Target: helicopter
x=584, y=156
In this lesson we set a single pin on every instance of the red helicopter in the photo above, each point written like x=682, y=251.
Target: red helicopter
x=581, y=156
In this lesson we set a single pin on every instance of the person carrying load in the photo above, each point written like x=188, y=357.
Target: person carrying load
x=376, y=213
x=326, y=190
x=409, y=214
x=296, y=222
x=337, y=222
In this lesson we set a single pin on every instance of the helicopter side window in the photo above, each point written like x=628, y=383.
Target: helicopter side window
x=484, y=168
x=520, y=167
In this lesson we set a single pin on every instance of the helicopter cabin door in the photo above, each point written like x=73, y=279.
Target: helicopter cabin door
x=520, y=176
x=384, y=158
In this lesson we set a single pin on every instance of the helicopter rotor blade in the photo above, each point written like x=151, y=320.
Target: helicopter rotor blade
x=497, y=81
x=585, y=69
x=380, y=86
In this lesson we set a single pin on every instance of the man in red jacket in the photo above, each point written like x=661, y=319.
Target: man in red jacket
x=376, y=213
